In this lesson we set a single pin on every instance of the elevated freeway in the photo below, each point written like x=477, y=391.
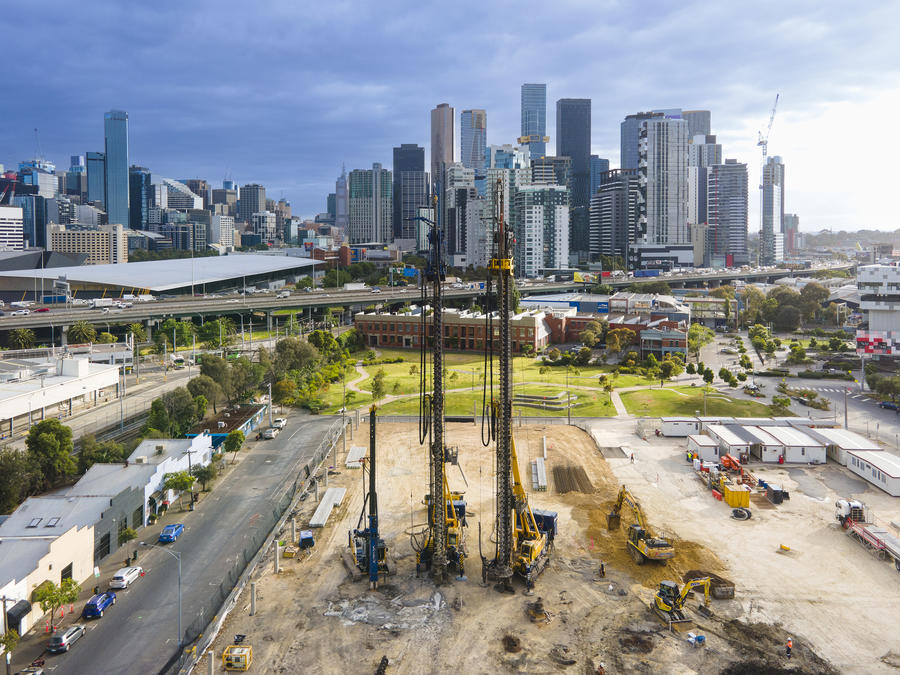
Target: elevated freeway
x=205, y=307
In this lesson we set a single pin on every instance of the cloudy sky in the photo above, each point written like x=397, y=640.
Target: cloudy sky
x=283, y=92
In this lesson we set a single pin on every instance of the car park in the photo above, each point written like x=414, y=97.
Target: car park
x=63, y=641
x=279, y=423
x=98, y=604
x=126, y=576
x=171, y=533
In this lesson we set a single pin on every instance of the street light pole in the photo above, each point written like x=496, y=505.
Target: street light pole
x=177, y=556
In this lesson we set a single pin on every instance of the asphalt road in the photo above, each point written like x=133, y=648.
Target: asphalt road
x=139, y=634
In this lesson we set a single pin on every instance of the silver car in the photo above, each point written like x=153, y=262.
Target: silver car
x=62, y=642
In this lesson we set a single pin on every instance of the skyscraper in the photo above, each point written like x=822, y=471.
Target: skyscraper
x=629, y=138
x=252, y=200
x=12, y=236
x=791, y=224
x=727, y=208
x=341, y=202
x=534, y=119
x=141, y=194
x=115, y=128
x=371, y=205
x=615, y=213
x=473, y=139
x=459, y=190
x=410, y=188
x=442, y=141
x=573, y=140
x=703, y=152
x=542, y=228
x=662, y=169
x=772, y=210
x=699, y=122
x=599, y=166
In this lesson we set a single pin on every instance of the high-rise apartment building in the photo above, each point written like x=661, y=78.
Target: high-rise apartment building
x=442, y=140
x=371, y=205
x=772, y=210
x=141, y=196
x=459, y=191
x=104, y=245
x=171, y=194
x=703, y=152
x=615, y=213
x=342, y=203
x=96, y=178
x=252, y=200
x=542, y=228
x=35, y=218
x=699, y=122
x=220, y=230
x=552, y=171
x=12, y=236
x=629, y=138
x=410, y=189
x=473, y=139
x=573, y=140
x=727, y=208
x=791, y=230
x=199, y=187
x=265, y=224
x=115, y=132
x=534, y=119
x=663, y=176
x=599, y=166
x=227, y=199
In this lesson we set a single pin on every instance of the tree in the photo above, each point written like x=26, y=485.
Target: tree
x=217, y=333
x=753, y=300
x=698, y=336
x=797, y=354
x=245, y=378
x=603, y=289
x=812, y=296
x=413, y=369
x=106, y=338
x=21, y=338
x=182, y=331
x=668, y=369
x=200, y=406
x=93, y=451
x=780, y=403
x=158, y=418
x=584, y=356
x=49, y=443
x=619, y=338
x=691, y=369
x=888, y=387
x=126, y=535
x=180, y=481
x=323, y=341
x=378, y=385
x=594, y=332
x=284, y=391
x=293, y=354
x=787, y=318
x=334, y=278
x=81, y=331
x=19, y=475
x=181, y=411
x=9, y=641
x=138, y=331
x=708, y=376
x=553, y=354
x=51, y=597
x=204, y=385
x=205, y=474
x=660, y=287
x=304, y=282
x=233, y=442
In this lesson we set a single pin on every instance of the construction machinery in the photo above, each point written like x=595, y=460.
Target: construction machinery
x=367, y=548
x=641, y=544
x=668, y=603
x=521, y=547
x=854, y=517
x=443, y=546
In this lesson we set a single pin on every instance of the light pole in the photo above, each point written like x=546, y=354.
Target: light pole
x=177, y=556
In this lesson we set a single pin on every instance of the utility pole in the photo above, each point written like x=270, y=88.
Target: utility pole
x=8, y=655
x=270, y=403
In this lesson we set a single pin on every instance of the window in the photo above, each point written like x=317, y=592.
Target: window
x=52, y=522
x=34, y=522
x=66, y=573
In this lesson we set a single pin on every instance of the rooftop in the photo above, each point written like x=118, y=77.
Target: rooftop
x=792, y=436
x=844, y=439
x=51, y=515
x=883, y=461
x=226, y=421
x=109, y=480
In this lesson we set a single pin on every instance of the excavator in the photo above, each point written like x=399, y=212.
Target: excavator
x=668, y=603
x=642, y=545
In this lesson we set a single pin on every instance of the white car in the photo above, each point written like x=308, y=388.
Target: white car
x=20, y=312
x=279, y=423
x=126, y=576
x=270, y=433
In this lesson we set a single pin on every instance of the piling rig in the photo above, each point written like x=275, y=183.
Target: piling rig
x=443, y=546
x=366, y=546
x=521, y=547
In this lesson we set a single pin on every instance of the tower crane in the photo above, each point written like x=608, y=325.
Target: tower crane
x=443, y=546
x=521, y=547
x=763, y=142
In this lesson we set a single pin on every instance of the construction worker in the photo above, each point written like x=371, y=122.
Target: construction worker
x=602, y=570
x=790, y=647
x=632, y=458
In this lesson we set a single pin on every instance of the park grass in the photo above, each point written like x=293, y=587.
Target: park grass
x=669, y=402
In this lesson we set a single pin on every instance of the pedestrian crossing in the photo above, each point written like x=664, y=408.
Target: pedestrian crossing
x=839, y=390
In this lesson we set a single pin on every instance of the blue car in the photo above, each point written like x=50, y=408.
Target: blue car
x=95, y=606
x=170, y=532
x=888, y=405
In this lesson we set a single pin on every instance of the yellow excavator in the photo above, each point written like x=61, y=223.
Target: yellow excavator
x=530, y=552
x=642, y=544
x=668, y=603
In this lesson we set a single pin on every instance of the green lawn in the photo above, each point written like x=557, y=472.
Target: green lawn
x=667, y=402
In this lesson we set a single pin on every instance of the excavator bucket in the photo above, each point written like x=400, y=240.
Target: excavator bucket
x=613, y=520
x=704, y=610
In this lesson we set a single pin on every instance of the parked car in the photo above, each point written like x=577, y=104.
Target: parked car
x=279, y=423
x=270, y=433
x=62, y=642
x=125, y=576
x=171, y=533
x=889, y=405
x=97, y=604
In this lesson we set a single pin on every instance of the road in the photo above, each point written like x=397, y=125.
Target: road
x=139, y=634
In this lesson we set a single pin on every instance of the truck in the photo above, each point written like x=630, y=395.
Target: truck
x=354, y=286
x=646, y=273
x=855, y=518
x=101, y=302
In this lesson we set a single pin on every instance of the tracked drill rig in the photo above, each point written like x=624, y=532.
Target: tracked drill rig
x=367, y=548
x=521, y=548
x=443, y=547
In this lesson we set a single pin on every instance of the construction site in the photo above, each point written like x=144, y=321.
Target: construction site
x=482, y=545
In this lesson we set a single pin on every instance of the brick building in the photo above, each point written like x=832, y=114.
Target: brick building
x=662, y=341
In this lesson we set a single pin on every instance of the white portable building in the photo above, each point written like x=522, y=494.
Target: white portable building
x=880, y=468
x=704, y=447
x=764, y=445
x=729, y=442
x=679, y=426
x=799, y=447
x=706, y=422
x=838, y=442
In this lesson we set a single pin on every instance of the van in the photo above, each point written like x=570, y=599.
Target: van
x=125, y=576
x=284, y=294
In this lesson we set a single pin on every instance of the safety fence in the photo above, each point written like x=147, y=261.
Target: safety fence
x=200, y=633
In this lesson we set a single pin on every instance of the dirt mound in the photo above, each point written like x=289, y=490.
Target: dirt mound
x=762, y=645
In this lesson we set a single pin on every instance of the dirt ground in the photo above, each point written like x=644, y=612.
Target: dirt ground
x=835, y=601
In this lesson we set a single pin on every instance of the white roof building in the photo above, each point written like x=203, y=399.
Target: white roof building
x=880, y=468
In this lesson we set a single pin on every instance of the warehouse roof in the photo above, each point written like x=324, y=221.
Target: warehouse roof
x=724, y=433
x=844, y=439
x=705, y=441
x=163, y=275
x=792, y=436
x=761, y=435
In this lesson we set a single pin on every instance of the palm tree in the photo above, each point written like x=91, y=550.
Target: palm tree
x=139, y=332
x=80, y=332
x=21, y=338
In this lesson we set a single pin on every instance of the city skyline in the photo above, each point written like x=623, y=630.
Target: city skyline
x=241, y=120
